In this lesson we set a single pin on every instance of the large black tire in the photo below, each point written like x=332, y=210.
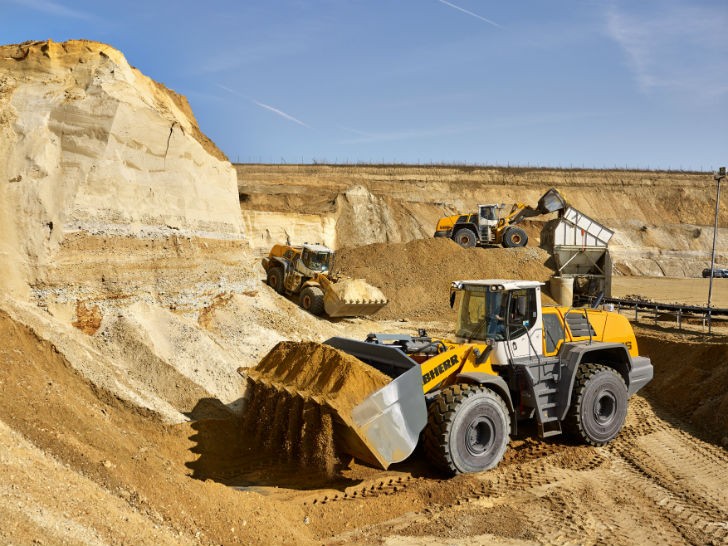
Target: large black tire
x=312, y=300
x=598, y=404
x=468, y=429
x=514, y=237
x=466, y=238
x=275, y=279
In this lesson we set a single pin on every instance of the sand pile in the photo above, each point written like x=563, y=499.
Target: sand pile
x=416, y=276
x=298, y=394
x=691, y=378
x=129, y=473
x=358, y=290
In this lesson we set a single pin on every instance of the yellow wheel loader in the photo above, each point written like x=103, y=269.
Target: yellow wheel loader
x=569, y=370
x=305, y=271
x=488, y=228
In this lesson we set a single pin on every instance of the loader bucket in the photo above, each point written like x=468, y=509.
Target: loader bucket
x=352, y=298
x=375, y=419
x=389, y=421
x=551, y=201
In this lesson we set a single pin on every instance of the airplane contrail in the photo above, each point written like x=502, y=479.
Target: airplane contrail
x=279, y=112
x=470, y=13
x=263, y=105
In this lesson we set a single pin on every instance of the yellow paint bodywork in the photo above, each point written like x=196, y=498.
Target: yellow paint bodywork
x=456, y=359
x=608, y=327
x=459, y=358
x=279, y=250
x=447, y=223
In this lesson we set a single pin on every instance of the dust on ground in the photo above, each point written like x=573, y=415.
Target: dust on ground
x=691, y=377
x=673, y=290
x=133, y=472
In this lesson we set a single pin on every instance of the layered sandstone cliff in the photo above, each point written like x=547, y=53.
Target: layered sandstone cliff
x=105, y=171
x=663, y=221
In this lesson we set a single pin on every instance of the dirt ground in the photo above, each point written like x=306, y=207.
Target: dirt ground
x=138, y=475
x=673, y=290
x=136, y=479
x=416, y=276
x=213, y=479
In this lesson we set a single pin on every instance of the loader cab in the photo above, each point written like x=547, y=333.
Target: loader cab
x=503, y=314
x=488, y=213
x=488, y=216
x=314, y=259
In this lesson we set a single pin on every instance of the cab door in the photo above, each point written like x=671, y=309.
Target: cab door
x=524, y=335
x=553, y=332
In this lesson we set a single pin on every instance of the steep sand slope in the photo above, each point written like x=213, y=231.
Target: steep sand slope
x=128, y=464
x=692, y=378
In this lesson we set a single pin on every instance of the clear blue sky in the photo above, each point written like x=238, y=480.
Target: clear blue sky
x=639, y=84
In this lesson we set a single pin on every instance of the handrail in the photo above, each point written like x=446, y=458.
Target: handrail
x=645, y=305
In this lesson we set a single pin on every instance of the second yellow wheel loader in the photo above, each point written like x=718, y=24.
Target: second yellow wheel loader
x=488, y=228
x=305, y=271
x=569, y=370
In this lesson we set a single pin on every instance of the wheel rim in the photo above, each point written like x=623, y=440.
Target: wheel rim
x=516, y=239
x=605, y=407
x=306, y=302
x=464, y=240
x=480, y=436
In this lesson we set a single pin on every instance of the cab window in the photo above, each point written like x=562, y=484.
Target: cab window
x=553, y=332
x=487, y=213
x=316, y=261
x=521, y=312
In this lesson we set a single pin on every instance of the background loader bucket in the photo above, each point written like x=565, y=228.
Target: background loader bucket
x=551, y=201
x=374, y=418
x=352, y=298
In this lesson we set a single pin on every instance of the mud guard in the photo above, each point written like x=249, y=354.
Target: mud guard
x=640, y=374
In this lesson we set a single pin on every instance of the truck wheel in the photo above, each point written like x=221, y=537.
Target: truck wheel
x=465, y=238
x=514, y=237
x=275, y=279
x=312, y=300
x=598, y=404
x=468, y=429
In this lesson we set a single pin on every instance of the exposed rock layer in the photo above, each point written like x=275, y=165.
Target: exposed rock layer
x=91, y=148
x=662, y=220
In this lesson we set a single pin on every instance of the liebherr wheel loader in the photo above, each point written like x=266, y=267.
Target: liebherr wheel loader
x=488, y=228
x=570, y=370
x=305, y=271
